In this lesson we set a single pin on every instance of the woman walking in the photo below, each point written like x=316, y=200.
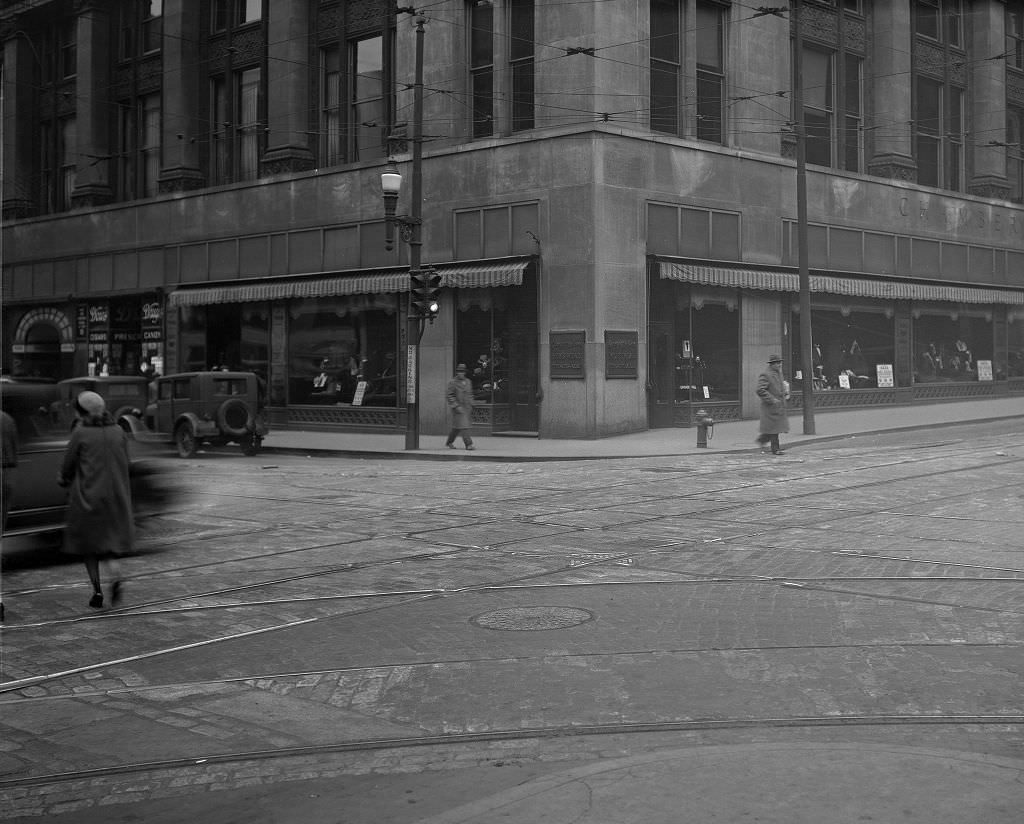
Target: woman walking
x=96, y=472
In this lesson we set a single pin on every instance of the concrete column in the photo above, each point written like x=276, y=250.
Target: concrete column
x=288, y=143
x=988, y=100
x=183, y=126
x=893, y=155
x=761, y=332
x=760, y=49
x=19, y=199
x=93, y=111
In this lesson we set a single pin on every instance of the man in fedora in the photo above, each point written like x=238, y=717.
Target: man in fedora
x=460, y=402
x=773, y=392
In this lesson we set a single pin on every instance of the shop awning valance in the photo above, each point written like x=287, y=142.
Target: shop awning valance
x=460, y=275
x=787, y=281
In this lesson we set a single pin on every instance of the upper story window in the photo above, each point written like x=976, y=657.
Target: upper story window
x=352, y=101
x=58, y=154
x=520, y=49
x=59, y=53
x=833, y=108
x=1015, y=153
x=939, y=133
x=710, y=71
x=231, y=13
x=139, y=147
x=941, y=20
x=1015, y=38
x=141, y=28
x=481, y=66
x=707, y=65
x=235, y=103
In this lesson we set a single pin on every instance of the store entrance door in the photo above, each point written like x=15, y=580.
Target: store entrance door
x=661, y=392
x=523, y=413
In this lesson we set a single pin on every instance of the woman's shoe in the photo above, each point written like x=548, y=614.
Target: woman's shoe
x=96, y=602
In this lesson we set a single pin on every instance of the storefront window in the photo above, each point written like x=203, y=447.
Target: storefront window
x=949, y=342
x=1015, y=339
x=707, y=353
x=232, y=336
x=849, y=344
x=336, y=344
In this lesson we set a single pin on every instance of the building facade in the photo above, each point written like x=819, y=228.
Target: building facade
x=609, y=193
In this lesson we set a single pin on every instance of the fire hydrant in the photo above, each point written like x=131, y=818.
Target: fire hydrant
x=705, y=428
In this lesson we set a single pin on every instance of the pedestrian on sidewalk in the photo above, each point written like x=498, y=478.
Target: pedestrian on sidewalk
x=96, y=472
x=773, y=392
x=8, y=461
x=460, y=402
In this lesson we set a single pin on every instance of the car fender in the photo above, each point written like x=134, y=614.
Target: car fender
x=200, y=428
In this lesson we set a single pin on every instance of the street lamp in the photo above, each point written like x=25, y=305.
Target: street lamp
x=411, y=229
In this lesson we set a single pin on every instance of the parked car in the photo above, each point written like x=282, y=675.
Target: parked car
x=192, y=408
x=124, y=395
x=39, y=503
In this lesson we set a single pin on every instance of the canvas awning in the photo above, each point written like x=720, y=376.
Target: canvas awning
x=459, y=275
x=773, y=280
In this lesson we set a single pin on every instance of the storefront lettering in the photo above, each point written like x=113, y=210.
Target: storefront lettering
x=962, y=216
x=152, y=313
x=98, y=314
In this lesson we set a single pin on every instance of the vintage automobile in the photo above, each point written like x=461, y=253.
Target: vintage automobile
x=192, y=408
x=39, y=504
x=124, y=395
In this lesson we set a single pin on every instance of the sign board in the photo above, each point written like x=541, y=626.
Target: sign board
x=984, y=370
x=568, y=351
x=357, y=398
x=687, y=350
x=410, y=374
x=621, y=354
x=884, y=373
x=844, y=381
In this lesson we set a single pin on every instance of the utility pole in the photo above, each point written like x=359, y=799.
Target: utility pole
x=806, y=344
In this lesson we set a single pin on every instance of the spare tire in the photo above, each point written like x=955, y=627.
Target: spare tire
x=234, y=419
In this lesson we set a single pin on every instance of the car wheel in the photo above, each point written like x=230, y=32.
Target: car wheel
x=185, y=440
x=250, y=444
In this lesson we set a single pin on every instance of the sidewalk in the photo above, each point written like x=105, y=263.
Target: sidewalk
x=733, y=436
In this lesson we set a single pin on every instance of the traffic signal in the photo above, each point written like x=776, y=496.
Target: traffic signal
x=426, y=293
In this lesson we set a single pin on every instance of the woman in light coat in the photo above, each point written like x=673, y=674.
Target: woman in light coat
x=96, y=473
x=773, y=392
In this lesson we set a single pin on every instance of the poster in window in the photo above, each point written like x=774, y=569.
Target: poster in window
x=884, y=373
x=984, y=370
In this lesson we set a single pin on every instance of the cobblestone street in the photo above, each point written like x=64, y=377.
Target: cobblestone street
x=384, y=634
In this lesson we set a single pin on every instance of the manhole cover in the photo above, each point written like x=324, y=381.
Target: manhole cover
x=525, y=619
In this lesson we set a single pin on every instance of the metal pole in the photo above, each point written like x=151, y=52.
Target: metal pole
x=806, y=353
x=414, y=324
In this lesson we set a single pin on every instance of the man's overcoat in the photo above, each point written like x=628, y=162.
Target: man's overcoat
x=770, y=389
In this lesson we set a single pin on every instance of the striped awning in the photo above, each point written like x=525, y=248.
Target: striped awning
x=461, y=275
x=787, y=281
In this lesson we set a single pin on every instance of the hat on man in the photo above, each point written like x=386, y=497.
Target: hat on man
x=460, y=368
x=89, y=403
x=775, y=359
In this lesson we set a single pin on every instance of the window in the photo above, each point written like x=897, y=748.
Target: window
x=940, y=20
x=331, y=148
x=666, y=69
x=710, y=71
x=521, y=63
x=352, y=123
x=235, y=12
x=831, y=141
x=1015, y=38
x=481, y=66
x=939, y=135
x=141, y=27
x=139, y=148
x=235, y=118
x=1015, y=153
x=58, y=153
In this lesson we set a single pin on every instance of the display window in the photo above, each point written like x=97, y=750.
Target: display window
x=851, y=346
x=1015, y=343
x=230, y=336
x=342, y=350
x=949, y=341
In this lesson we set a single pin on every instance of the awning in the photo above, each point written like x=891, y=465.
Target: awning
x=787, y=281
x=460, y=275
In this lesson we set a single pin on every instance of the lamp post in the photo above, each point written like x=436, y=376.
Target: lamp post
x=412, y=232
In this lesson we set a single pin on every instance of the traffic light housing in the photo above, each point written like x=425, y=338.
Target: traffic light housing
x=426, y=294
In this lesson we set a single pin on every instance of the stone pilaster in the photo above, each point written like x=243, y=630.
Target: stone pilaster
x=288, y=139
x=988, y=101
x=19, y=199
x=183, y=123
x=893, y=153
x=93, y=112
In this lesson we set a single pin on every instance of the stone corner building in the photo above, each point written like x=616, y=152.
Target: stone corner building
x=609, y=194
